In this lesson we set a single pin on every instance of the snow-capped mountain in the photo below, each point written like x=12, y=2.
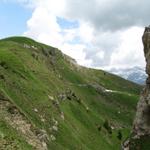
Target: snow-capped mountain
x=135, y=74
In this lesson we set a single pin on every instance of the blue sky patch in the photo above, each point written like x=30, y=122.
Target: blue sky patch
x=13, y=18
x=76, y=40
x=67, y=24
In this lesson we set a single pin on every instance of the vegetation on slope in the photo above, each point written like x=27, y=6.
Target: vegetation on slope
x=65, y=105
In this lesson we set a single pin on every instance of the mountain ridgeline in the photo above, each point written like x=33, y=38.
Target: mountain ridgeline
x=48, y=102
x=134, y=74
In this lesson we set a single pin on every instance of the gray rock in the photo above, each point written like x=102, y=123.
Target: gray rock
x=141, y=125
x=142, y=120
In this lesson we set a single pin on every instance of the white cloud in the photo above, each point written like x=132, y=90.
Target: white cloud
x=110, y=15
x=130, y=51
x=109, y=31
x=43, y=27
x=86, y=32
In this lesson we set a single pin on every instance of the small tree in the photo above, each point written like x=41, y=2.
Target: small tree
x=99, y=128
x=119, y=136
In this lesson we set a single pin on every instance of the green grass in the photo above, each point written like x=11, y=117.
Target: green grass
x=30, y=75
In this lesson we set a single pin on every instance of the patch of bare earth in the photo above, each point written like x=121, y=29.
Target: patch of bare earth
x=35, y=137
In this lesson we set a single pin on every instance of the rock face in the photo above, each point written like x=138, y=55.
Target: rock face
x=140, y=137
x=142, y=121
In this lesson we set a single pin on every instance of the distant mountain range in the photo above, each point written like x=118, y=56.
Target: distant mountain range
x=135, y=74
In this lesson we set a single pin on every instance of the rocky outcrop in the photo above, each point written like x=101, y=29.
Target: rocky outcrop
x=142, y=121
x=141, y=126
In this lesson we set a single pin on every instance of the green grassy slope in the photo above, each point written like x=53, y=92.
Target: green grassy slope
x=72, y=104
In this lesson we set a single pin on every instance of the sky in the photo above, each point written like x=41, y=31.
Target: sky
x=97, y=33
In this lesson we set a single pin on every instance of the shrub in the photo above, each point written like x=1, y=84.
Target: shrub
x=119, y=136
x=107, y=126
x=99, y=128
x=3, y=64
x=2, y=77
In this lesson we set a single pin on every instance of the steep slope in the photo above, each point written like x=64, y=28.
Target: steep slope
x=49, y=102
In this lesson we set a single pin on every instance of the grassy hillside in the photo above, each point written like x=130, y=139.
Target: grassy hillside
x=49, y=102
